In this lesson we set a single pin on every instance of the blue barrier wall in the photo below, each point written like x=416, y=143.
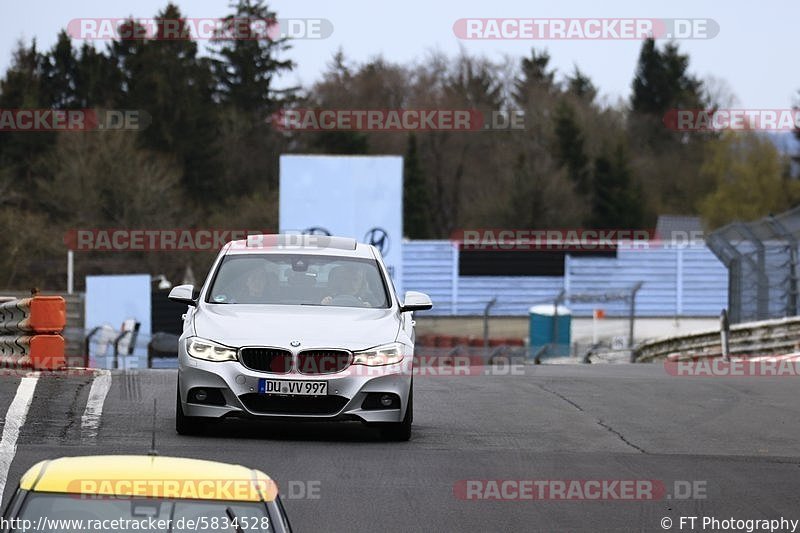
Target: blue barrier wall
x=682, y=281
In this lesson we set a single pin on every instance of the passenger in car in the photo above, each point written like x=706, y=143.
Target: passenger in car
x=259, y=286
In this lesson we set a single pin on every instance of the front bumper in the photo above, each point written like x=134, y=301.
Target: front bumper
x=347, y=391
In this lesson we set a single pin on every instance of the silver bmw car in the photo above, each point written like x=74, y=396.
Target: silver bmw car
x=297, y=327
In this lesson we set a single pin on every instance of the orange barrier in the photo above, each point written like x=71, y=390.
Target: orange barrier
x=39, y=314
x=30, y=333
x=40, y=352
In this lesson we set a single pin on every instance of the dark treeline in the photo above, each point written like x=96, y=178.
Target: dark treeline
x=209, y=158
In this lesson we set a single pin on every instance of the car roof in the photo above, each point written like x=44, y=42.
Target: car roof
x=300, y=244
x=149, y=476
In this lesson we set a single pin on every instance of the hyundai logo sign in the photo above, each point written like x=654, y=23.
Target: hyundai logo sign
x=316, y=230
x=378, y=238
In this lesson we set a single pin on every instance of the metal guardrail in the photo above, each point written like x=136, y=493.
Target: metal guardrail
x=766, y=337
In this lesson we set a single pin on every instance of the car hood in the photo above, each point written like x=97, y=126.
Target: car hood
x=279, y=325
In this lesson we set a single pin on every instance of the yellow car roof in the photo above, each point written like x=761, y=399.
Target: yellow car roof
x=149, y=476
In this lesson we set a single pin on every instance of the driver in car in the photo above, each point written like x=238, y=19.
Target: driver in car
x=348, y=285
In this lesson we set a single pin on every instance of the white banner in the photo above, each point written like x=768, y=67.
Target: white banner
x=348, y=196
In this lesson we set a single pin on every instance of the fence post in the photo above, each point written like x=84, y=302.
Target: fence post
x=762, y=279
x=70, y=271
x=454, y=258
x=791, y=302
x=554, y=341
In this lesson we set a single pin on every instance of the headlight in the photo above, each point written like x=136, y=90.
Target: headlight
x=209, y=350
x=388, y=354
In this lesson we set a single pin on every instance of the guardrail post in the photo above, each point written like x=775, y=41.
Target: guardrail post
x=725, y=334
x=486, y=309
x=632, y=318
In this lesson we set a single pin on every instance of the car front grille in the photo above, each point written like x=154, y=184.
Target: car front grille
x=273, y=360
x=293, y=405
x=317, y=362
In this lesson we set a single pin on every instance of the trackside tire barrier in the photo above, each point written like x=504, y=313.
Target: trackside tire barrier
x=30, y=333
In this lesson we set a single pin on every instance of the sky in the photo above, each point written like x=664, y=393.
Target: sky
x=752, y=57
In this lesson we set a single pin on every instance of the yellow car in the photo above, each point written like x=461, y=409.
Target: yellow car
x=143, y=493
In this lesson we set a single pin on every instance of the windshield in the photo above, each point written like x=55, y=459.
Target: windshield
x=294, y=279
x=57, y=513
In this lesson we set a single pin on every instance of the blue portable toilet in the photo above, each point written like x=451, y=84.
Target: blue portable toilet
x=550, y=327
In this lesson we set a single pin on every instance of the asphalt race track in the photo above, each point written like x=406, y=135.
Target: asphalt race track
x=734, y=440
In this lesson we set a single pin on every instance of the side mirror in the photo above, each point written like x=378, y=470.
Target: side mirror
x=416, y=301
x=184, y=294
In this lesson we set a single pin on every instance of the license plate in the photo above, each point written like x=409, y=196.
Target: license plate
x=301, y=388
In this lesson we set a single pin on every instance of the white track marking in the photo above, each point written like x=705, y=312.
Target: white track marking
x=90, y=421
x=15, y=418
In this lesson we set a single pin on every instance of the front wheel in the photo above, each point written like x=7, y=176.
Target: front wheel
x=401, y=431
